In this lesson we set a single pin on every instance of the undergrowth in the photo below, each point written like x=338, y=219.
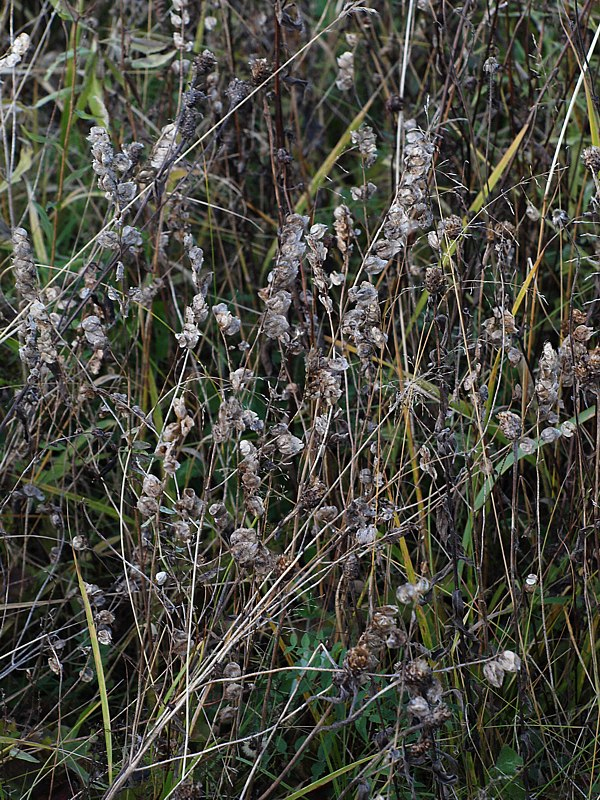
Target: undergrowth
x=299, y=399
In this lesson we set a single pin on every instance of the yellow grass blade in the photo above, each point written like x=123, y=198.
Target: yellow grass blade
x=99, y=670
x=499, y=170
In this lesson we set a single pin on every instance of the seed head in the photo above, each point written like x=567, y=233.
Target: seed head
x=510, y=425
x=591, y=159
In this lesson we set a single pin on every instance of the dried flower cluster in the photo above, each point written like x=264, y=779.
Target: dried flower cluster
x=197, y=312
x=547, y=383
x=148, y=503
x=180, y=20
x=15, y=53
x=114, y=169
x=366, y=141
x=285, y=354
x=345, y=76
x=577, y=360
x=234, y=419
x=495, y=669
x=38, y=352
x=249, y=553
x=249, y=469
x=425, y=704
x=410, y=210
x=173, y=435
x=362, y=325
x=381, y=632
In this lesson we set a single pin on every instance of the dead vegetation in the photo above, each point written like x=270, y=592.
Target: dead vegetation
x=299, y=422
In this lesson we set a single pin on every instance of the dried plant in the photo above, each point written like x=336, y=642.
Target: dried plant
x=299, y=433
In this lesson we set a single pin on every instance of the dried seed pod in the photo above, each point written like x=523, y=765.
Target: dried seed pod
x=152, y=486
x=244, y=546
x=591, y=158
x=418, y=673
x=249, y=553
x=510, y=425
x=358, y=659
x=232, y=670
x=450, y=227
x=418, y=749
x=161, y=578
x=509, y=661
x=351, y=567
x=493, y=673
x=530, y=583
x=147, y=506
x=418, y=707
x=345, y=76
x=261, y=70
x=366, y=140
x=435, y=282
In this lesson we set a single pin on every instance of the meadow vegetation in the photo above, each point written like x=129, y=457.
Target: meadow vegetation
x=299, y=422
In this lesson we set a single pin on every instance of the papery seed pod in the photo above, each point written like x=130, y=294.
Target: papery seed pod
x=450, y=227
x=418, y=673
x=439, y=715
x=493, y=673
x=560, y=218
x=510, y=425
x=17, y=50
x=384, y=617
x=228, y=324
x=244, y=546
x=345, y=76
x=326, y=514
x=366, y=140
x=591, y=158
x=509, y=661
x=152, y=486
x=147, y=506
x=189, y=505
x=358, y=659
x=344, y=228
x=491, y=66
x=366, y=535
x=233, y=692
x=104, y=636
x=435, y=282
x=351, y=567
x=79, y=543
x=418, y=707
x=530, y=583
x=406, y=593
x=161, y=578
x=222, y=518
x=232, y=670
x=418, y=749
x=86, y=674
x=364, y=192
x=55, y=665
x=527, y=445
x=104, y=617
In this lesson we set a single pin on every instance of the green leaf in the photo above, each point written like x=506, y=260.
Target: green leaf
x=153, y=61
x=25, y=161
x=21, y=755
x=509, y=761
x=96, y=102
